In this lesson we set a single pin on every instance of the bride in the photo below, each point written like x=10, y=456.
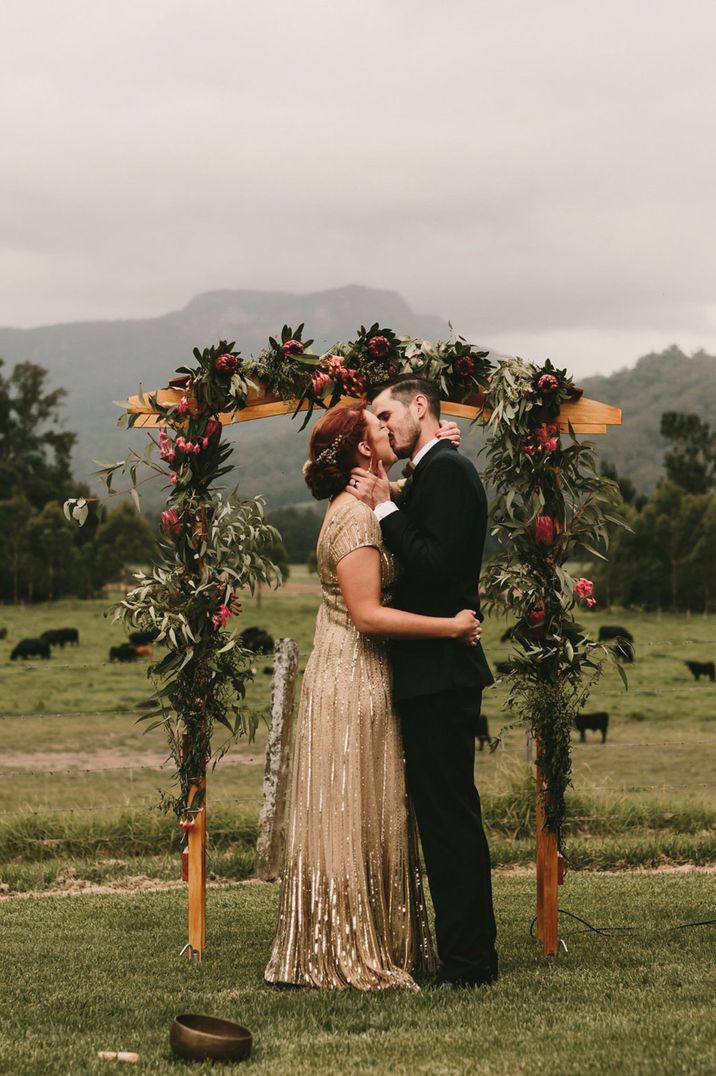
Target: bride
x=351, y=907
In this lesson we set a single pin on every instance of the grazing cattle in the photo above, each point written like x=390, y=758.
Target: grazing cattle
x=256, y=640
x=624, y=650
x=123, y=652
x=60, y=636
x=613, y=631
x=504, y=668
x=702, y=668
x=482, y=732
x=3, y=633
x=598, y=722
x=143, y=638
x=144, y=651
x=28, y=648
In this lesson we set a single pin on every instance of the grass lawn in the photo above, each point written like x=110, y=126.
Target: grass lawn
x=89, y=973
x=80, y=778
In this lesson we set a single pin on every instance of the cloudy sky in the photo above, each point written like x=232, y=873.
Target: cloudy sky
x=541, y=172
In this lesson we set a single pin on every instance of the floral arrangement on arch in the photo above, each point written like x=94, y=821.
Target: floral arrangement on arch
x=549, y=503
x=550, y=507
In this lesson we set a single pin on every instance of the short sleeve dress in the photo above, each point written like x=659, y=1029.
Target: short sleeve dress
x=351, y=908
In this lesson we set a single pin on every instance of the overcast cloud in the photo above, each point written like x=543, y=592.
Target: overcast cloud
x=541, y=172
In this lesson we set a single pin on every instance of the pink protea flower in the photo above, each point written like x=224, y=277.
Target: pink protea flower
x=536, y=618
x=379, y=346
x=221, y=616
x=182, y=407
x=292, y=347
x=548, y=383
x=551, y=445
x=170, y=521
x=464, y=366
x=319, y=381
x=591, y=602
x=527, y=393
x=226, y=364
x=544, y=530
x=584, y=588
x=173, y=478
x=166, y=447
x=335, y=367
x=188, y=824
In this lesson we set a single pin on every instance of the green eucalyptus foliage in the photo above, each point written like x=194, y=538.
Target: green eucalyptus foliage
x=550, y=505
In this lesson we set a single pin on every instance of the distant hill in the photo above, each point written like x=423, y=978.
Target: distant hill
x=98, y=362
x=663, y=381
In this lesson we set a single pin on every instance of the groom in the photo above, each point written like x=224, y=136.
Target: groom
x=438, y=533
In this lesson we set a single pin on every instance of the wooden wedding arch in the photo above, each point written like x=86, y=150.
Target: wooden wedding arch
x=581, y=416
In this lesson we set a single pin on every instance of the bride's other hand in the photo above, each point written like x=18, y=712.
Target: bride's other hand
x=449, y=431
x=370, y=488
x=469, y=628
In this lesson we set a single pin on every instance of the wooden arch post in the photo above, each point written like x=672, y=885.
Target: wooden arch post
x=584, y=416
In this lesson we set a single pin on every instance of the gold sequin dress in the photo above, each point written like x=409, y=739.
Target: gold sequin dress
x=351, y=907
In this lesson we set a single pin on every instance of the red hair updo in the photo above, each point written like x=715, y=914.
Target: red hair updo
x=332, y=451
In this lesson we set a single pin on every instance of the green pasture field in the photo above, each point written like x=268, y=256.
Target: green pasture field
x=89, y=973
x=79, y=773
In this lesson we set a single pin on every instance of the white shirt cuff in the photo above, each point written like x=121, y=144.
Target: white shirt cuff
x=384, y=509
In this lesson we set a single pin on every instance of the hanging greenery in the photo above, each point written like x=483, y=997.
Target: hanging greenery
x=549, y=503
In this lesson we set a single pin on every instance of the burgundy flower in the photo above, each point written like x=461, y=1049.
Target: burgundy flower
x=226, y=364
x=212, y=429
x=464, y=366
x=379, y=346
x=535, y=618
x=292, y=347
x=353, y=382
x=544, y=530
x=548, y=383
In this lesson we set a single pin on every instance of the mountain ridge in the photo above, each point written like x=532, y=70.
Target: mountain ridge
x=105, y=360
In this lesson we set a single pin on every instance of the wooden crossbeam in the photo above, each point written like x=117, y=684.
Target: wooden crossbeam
x=584, y=415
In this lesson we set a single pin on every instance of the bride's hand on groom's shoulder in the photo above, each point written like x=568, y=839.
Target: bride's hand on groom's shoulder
x=449, y=431
x=371, y=489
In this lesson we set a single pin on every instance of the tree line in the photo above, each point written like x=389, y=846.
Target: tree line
x=42, y=555
x=667, y=557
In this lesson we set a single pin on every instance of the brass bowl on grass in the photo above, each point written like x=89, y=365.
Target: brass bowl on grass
x=203, y=1038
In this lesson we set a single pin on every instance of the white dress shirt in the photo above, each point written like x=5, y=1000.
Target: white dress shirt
x=386, y=507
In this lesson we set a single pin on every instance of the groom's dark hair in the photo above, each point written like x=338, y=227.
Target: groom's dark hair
x=406, y=387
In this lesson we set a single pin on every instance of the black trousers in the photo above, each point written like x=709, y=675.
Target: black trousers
x=439, y=741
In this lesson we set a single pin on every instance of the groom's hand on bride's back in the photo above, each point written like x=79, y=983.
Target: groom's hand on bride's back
x=371, y=489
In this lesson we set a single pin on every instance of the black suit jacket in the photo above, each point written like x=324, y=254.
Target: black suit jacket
x=438, y=537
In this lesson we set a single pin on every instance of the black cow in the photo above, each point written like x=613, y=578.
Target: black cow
x=60, y=636
x=143, y=638
x=28, y=648
x=256, y=640
x=624, y=650
x=613, y=631
x=598, y=722
x=702, y=668
x=504, y=668
x=123, y=652
x=482, y=732
x=3, y=633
